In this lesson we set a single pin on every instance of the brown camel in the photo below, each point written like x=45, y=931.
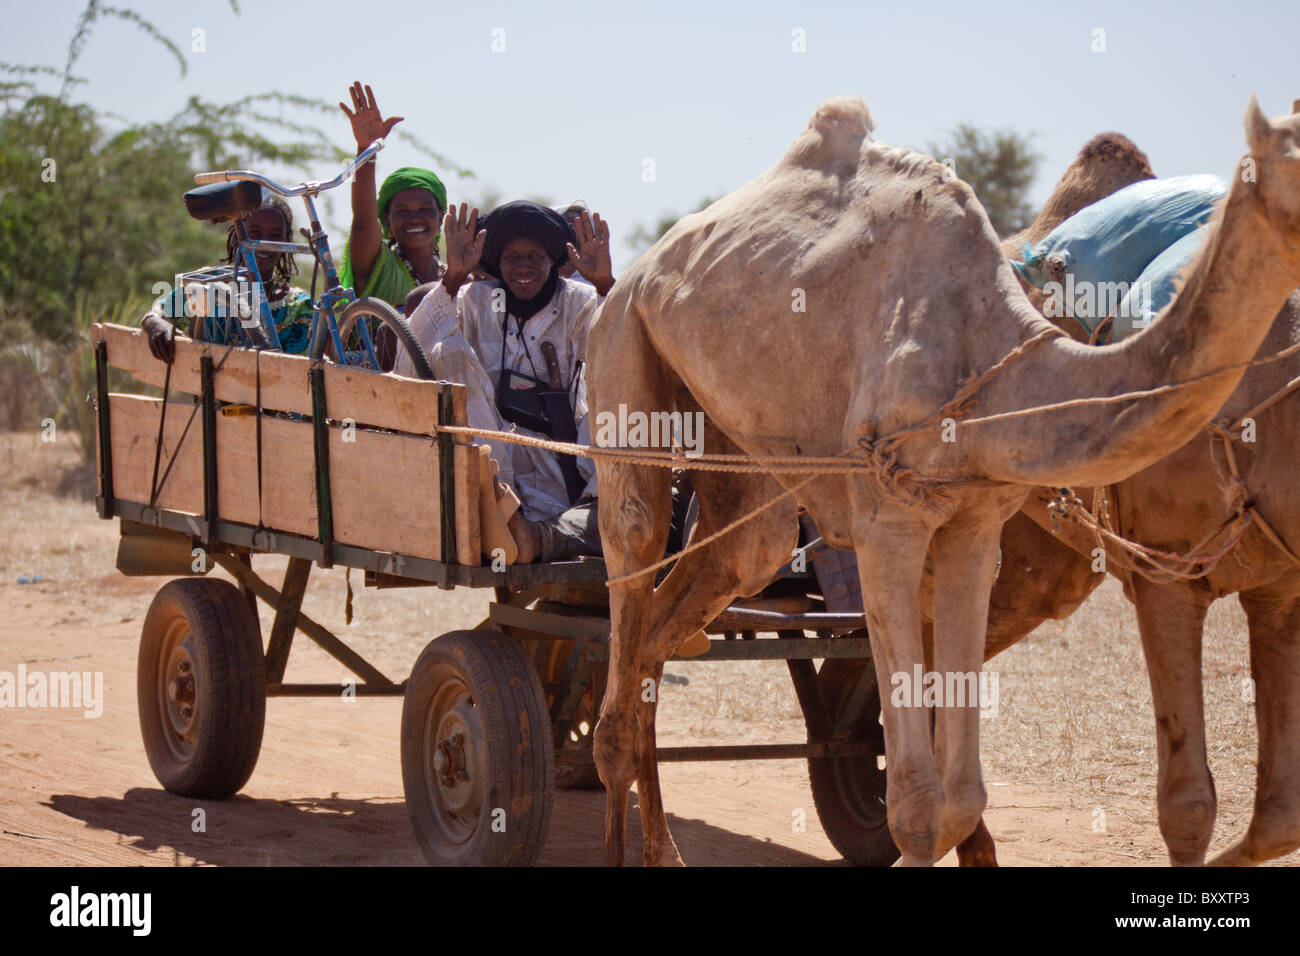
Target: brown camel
x=898, y=266
x=1172, y=506
x=1039, y=578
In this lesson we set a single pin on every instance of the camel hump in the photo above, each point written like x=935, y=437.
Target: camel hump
x=835, y=133
x=1115, y=149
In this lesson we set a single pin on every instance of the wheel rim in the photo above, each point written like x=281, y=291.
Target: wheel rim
x=177, y=692
x=454, y=754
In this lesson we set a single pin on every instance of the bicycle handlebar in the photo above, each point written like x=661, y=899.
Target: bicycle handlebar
x=310, y=187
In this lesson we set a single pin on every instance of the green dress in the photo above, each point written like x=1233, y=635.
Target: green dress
x=389, y=278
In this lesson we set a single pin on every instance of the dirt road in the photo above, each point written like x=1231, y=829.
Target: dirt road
x=1069, y=757
x=328, y=789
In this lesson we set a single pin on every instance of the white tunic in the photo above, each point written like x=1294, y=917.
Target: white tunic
x=465, y=344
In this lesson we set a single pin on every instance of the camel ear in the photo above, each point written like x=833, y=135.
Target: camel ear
x=1259, y=131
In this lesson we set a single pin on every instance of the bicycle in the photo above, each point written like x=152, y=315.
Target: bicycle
x=232, y=194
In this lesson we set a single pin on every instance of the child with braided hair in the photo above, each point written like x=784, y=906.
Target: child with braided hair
x=291, y=308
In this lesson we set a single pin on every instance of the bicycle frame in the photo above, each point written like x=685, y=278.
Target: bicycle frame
x=335, y=298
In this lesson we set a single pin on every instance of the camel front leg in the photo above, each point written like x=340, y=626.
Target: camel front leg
x=1275, y=666
x=1171, y=618
x=891, y=554
x=965, y=557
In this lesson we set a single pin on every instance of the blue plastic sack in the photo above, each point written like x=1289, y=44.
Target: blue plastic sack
x=1114, y=239
x=1155, y=287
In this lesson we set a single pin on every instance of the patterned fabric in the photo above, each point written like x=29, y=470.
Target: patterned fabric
x=292, y=315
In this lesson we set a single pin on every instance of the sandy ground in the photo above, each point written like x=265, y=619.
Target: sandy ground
x=1069, y=758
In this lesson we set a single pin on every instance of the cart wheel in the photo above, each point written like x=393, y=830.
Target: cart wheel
x=201, y=688
x=575, y=762
x=849, y=792
x=477, y=764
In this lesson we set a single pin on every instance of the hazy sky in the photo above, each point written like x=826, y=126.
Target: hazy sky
x=713, y=93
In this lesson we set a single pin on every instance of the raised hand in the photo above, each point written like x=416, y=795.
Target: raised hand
x=591, y=258
x=464, y=243
x=368, y=124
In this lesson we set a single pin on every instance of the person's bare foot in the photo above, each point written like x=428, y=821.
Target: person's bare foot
x=527, y=536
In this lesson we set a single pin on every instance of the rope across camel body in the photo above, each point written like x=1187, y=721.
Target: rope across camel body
x=877, y=456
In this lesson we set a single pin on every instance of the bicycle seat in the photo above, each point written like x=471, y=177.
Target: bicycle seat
x=222, y=202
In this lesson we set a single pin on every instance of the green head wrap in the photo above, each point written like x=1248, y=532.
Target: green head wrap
x=411, y=177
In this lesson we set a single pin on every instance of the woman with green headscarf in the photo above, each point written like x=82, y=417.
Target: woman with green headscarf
x=393, y=246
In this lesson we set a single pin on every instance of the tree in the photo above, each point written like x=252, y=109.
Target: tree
x=89, y=206
x=999, y=166
x=643, y=237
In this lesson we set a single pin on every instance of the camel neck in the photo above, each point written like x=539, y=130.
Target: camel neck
x=1222, y=313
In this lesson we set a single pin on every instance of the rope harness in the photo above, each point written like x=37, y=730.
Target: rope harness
x=878, y=458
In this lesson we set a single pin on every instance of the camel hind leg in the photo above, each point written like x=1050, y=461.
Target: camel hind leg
x=634, y=513
x=700, y=586
x=1275, y=666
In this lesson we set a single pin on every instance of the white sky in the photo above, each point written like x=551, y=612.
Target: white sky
x=712, y=92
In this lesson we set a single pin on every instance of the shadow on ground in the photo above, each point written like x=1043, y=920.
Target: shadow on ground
x=374, y=831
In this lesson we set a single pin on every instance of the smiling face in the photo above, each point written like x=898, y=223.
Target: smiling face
x=413, y=219
x=267, y=225
x=525, y=267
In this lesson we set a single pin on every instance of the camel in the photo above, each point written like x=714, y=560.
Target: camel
x=1172, y=505
x=897, y=265
x=1039, y=578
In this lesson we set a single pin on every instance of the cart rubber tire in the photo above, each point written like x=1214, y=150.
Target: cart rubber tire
x=390, y=317
x=849, y=792
x=479, y=686
x=201, y=651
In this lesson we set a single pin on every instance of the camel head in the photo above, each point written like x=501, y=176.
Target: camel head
x=1274, y=165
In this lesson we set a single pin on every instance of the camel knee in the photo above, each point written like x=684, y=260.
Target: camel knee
x=614, y=747
x=1186, y=815
x=632, y=527
x=914, y=804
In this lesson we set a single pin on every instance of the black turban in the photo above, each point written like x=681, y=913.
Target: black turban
x=529, y=220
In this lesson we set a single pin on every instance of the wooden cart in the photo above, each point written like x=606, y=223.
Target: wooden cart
x=267, y=453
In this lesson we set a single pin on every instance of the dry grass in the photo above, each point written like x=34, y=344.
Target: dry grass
x=1074, y=711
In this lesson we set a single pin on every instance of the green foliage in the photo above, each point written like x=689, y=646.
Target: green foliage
x=999, y=166
x=65, y=372
x=91, y=207
x=83, y=210
x=643, y=237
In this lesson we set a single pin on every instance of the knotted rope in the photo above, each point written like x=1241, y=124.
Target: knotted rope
x=878, y=457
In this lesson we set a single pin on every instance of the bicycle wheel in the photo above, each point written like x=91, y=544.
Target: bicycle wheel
x=372, y=308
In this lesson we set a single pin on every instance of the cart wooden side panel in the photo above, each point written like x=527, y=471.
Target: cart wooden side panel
x=385, y=486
